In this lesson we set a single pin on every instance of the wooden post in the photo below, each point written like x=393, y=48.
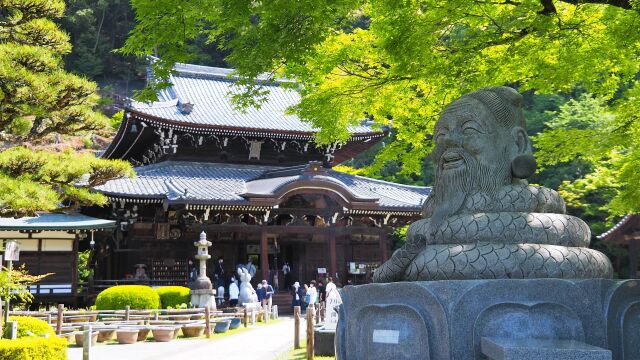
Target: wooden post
x=265, y=315
x=59, y=319
x=127, y=310
x=86, y=343
x=48, y=318
x=384, y=247
x=246, y=317
x=310, y=333
x=634, y=246
x=207, y=321
x=264, y=255
x=333, y=262
x=317, y=312
x=296, y=327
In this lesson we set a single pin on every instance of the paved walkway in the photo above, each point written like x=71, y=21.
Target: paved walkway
x=260, y=343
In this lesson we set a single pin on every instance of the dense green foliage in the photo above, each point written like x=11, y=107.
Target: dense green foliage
x=43, y=180
x=30, y=326
x=33, y=348
x=39, y=102
x=136, y=296
x=173, y=296
x=400, y=62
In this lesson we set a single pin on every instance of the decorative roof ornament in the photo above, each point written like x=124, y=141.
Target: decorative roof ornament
x=185, y=107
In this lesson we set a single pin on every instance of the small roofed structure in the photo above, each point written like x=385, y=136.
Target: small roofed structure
x=49, y=243
x=627, y=233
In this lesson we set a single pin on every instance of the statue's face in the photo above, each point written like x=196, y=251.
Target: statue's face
x=467, y=132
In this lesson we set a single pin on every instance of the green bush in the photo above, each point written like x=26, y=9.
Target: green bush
x=173, y=296
x=30, y=326
x=33, y=348
x=136, y=296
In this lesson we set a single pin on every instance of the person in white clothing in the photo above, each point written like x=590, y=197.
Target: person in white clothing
x=312, y=293
x=331, y=289
x=234, y=292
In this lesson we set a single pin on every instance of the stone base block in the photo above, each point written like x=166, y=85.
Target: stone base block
x=323, y=342
x=541, y=349
x=446, y=320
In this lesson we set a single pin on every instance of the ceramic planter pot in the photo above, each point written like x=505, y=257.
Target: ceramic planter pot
x=80, y=338
x=222, y=326
x=106, y=334
x=162, y=334
x=129, y=336
x=234, y=323
x=193, y=330
x=143, y=333
x=68, y=336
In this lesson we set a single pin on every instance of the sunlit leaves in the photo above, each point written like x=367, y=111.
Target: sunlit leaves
x=39, y=180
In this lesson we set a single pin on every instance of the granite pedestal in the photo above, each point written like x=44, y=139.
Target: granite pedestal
x=442, y=320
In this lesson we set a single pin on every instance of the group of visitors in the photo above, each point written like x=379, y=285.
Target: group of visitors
x=313, y=293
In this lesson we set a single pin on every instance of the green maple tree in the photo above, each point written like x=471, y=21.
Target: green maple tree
x=401, y=62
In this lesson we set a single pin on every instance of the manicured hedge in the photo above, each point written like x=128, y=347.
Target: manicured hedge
x=29, y=326
x=33, y=348
x=173, y=296
x=136, y=296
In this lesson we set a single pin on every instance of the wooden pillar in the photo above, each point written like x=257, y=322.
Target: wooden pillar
x=264, y=255
x=74, y=271
x=634, y=246
x=384, y=246
x=332, y=254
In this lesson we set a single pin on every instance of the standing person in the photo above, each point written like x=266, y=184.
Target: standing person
x=312, y=293
x=331, y=289
x=286, y=270
x=251, y=268
x=193, y=272
x=219, y=271
x=268, y=293
x=296, y=295
x=321, y=293
x=260, y=291
x=306, y=297
x=220, y=295
x=276, y=281
x=234, y=292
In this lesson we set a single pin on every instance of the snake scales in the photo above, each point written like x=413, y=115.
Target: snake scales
x=520, y=232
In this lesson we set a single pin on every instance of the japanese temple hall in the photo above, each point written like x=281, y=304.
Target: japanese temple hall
x=254, y=180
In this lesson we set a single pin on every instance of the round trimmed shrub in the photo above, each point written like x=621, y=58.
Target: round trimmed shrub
x=30, y=326
x=34, y=348
x=173, y=296
x=136, y=296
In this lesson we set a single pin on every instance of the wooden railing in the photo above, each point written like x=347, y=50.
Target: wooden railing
x=65, y=321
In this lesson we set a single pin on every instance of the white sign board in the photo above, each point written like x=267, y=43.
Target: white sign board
x=331, y=321
x=386, y=336
x=11, y=251
x=322, y=270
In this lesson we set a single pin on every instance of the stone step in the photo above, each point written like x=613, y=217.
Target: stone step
x=539, y=349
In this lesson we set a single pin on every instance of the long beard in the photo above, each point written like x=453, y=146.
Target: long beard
x=453, y=186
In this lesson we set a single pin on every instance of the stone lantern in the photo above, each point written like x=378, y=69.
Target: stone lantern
x=202, y=293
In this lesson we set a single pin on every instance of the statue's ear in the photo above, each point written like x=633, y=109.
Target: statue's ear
x=523, y=164
x=522, y=142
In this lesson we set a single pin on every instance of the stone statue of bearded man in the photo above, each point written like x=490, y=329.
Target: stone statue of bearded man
x=482, y=220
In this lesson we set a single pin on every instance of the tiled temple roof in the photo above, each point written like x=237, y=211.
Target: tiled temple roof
x=627, y=221
x=58, y=222
x=232, y=184
x=209, y=90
